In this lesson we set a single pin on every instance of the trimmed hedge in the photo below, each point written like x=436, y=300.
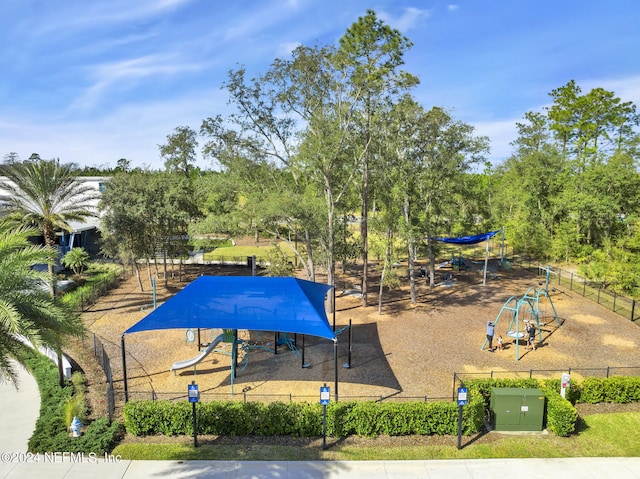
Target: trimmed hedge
x=615, y=389
x=369, y=419
x=561, y=415
x=142, y=418
x=98, y=279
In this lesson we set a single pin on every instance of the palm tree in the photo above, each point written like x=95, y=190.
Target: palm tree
x=27, y=310
x=47, y=195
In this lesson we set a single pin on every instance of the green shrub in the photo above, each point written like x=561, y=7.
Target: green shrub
x=615, y=389
x=98, y=279
x=368, y=418
x=75, y=407
x=51, y=433
x=561, y=415
x=77, y=260
x=300, y=419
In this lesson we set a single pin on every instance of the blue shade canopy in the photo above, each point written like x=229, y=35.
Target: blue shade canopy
x=281, y=304
x=468, y=239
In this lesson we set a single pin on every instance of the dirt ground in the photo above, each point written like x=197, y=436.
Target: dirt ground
x=408, y=351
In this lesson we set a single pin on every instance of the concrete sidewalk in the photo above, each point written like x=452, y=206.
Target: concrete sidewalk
x=569, y=468
x=19, y=411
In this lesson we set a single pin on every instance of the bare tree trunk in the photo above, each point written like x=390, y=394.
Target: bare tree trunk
x=138, y=275
x=364, y=231
x=411, y=250
x=387, y=262
x=164, y=267
x=432, y=265
x=311, y=269
x=149, y=275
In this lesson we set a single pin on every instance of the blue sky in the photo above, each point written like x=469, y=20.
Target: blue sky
x=94, y=81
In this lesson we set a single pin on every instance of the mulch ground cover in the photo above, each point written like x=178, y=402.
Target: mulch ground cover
x=406, y=350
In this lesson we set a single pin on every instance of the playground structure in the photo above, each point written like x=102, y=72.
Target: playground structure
x=281, y=305
x=200, y=357
x=244, y=345
x=458, y=263
x=531, y=307
x=241, y=352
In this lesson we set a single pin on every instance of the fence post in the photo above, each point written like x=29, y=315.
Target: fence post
x=455, y=376
x=571, y=283
x=633, y=308
x=599, y=289
x=615, y=296
x=584, y=287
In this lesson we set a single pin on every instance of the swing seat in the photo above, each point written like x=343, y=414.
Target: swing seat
x=515, y=334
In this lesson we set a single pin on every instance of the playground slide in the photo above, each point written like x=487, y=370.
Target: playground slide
x=195, y=360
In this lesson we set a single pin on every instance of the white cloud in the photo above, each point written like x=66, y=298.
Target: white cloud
x=133, y=131
x=410, y=18
x=627, y=89
x=285, y=49
x=258, y=20
x=452, y=8
x=120, y=74
x=67, y=16
x=501, y=133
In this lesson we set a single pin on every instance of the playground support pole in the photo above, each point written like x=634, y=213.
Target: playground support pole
x=334, y=309
x=155, y=294
x=124, y=370
x=234, y=356
x=335, y=367
x=486, y=264
x=348, y=365
x=303, y=364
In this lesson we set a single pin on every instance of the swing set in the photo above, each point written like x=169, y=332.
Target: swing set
x=535, y=305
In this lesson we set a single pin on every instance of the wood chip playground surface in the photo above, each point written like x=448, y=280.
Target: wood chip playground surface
x=408, y=351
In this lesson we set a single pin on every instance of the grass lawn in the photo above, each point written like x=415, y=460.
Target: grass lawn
x=603, y=435
x=242, y=252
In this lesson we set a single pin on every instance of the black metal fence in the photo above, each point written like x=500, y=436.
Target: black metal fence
x=561, y=279
x=89, y=295
x=605, y=372
x=105, y=363
x=250, y=396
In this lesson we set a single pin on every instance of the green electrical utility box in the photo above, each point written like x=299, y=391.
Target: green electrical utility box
x=517, y=409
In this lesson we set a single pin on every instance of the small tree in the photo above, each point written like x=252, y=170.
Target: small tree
x=77, y=259
x=279, y=264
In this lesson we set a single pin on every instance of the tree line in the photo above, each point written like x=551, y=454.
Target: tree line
x=329, y=151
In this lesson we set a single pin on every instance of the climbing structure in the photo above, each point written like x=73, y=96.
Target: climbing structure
x=535, y=305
